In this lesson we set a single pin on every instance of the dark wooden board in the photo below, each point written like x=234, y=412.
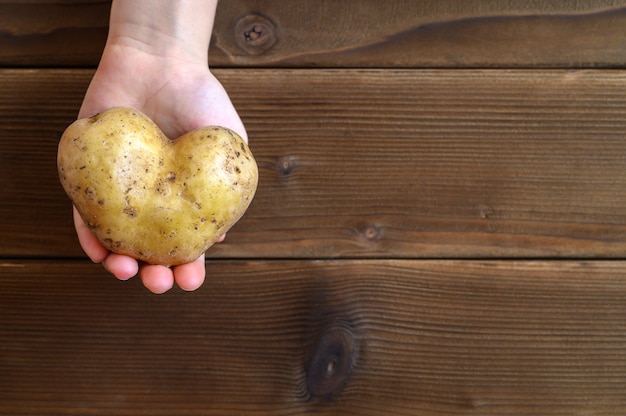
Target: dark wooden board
x=363, y=33
x=366, y=163
x=53, y=33
x=420, y=338
x=406, y=33
x=338, y=293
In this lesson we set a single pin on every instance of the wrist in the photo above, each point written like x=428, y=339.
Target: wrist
x=170, y=29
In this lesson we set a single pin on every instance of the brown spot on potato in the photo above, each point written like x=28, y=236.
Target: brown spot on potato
x=113, y=245
x=90, y=192
x=130, y=211
x=163, y=188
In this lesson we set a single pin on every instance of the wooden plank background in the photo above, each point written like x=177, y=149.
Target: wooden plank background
x=370, y=163
x=428, y=338
x=439, y=227
x=347, y=33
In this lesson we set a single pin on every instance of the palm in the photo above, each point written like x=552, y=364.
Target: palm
x=178, y=96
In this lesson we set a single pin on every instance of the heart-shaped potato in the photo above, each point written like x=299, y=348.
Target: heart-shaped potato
x=158, y=200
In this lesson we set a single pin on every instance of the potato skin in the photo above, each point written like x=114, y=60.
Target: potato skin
x=158, y=200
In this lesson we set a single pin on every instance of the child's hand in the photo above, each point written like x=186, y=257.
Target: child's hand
x=179, y=95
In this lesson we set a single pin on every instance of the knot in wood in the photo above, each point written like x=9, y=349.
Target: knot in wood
x=371, y=232
x=285, y=165
x=255, y=34
x=332, y=362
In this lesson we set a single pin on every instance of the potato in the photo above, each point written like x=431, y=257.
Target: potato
x=158, y=200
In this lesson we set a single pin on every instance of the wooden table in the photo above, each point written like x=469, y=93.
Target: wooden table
x=440, y=225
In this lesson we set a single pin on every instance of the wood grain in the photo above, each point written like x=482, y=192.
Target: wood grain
x=53, y=34
x=405, y=33
x=446, y=241
x=366, y=163
x=431, y=337
x=363, y=33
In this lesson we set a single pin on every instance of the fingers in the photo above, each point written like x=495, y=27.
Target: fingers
x=120, y=266
x=190, y=276
x=160, y=279
x=157, y=279
x=96, y=252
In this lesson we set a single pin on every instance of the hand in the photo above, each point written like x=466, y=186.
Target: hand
x=180, y=95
